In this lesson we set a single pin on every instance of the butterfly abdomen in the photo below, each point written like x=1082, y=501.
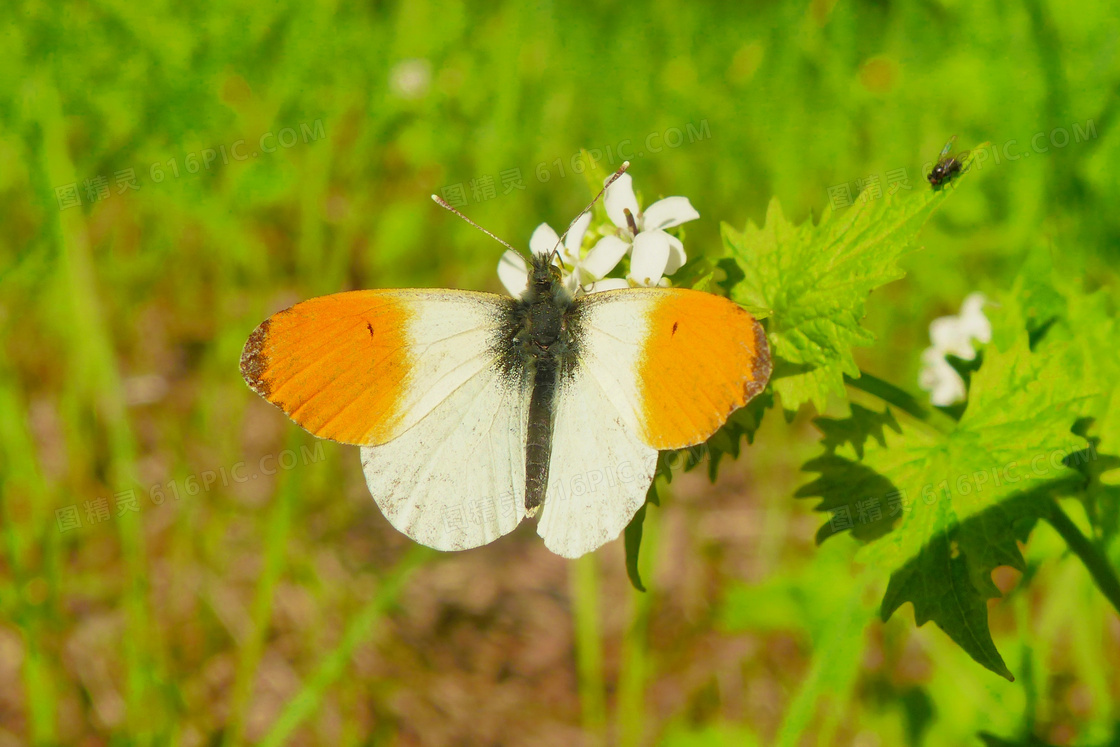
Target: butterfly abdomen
x=538, y=446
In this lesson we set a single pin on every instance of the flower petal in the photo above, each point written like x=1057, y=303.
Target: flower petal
x=606, y=284
x=543, y=240
x=574, y=240
x=677, y=257
x=650, y=256
x=669, y=212
x=973, y=321
x=949, y=335
x=604, y=256
x=940, y=379
x=514, y=273
x=571, y=280
x=619, y=197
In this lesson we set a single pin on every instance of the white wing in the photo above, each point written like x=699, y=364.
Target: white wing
x=655, y=369
x=456, y=479
x=599, y=472
x=417, y=378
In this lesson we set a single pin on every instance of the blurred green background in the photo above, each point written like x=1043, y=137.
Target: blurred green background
x=180, y=565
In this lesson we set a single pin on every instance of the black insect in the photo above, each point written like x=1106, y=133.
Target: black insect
x=947, y=166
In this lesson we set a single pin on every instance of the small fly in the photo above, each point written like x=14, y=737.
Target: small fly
x=947, y=166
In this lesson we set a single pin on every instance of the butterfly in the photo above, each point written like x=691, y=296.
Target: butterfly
x=475, y=411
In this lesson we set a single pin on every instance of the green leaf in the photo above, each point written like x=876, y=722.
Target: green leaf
x=1050, y=299
x=1014, y=433
x=812, y=282
x=632, y=539
x=948, y=495
x=856, y=429
x=949, y=581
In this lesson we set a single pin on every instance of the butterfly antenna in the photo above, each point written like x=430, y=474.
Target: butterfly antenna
x=443, y=204
x=621, y=170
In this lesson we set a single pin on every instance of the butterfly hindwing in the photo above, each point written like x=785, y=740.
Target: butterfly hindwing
x=456, y=479
x=600, y=468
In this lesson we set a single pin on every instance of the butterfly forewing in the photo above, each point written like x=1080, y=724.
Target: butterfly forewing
x=363, y=367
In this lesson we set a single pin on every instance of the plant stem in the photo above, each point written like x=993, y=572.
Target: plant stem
x=635, y=670
x=1103, y=574
x=589, y=647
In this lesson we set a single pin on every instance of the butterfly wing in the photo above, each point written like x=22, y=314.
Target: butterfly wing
x=599, y=470
x=653, y=369
x=423, y=381
x=456, y=479
x=365, y=366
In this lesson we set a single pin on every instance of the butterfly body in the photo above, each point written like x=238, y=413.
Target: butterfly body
x=547, y=347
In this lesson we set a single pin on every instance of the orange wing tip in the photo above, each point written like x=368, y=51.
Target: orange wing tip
x=254, y=362
x=699, y=343
x=335, y=365
x=763, y=364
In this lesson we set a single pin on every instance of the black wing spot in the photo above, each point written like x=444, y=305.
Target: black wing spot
x=674, y=329
x=370, y=328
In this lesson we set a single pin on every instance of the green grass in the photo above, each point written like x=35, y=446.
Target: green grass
x=283, y=608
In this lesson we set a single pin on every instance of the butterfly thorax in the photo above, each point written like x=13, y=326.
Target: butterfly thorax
x=542, y=311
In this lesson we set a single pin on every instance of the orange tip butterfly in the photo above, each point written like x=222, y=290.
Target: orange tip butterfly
x=475, y=411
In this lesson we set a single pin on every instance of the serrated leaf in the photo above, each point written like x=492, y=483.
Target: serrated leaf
x=949, y=493
x=1014, y=433
x=949, y=581
x=812, y=282
x=862, y=424
x=1058, y=312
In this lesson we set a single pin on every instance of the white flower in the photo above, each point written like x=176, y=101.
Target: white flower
x=653, y=252
x=953, y=335
x=514, y=273
x=940, y=379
